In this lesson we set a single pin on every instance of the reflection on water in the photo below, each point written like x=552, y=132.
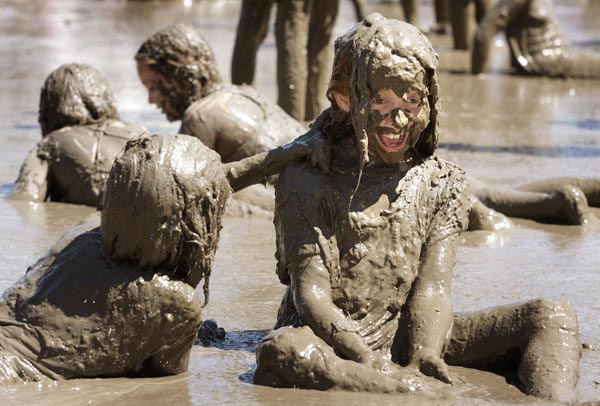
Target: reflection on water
x=503, y=129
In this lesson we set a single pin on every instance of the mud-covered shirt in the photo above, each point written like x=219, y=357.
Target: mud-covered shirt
x=237, y=122
x=372, y=260
x=72, y=164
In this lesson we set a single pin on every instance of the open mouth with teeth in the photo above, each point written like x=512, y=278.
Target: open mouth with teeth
x=392, y=142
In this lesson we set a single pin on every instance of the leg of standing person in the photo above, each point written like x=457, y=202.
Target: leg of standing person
x=291, y=29
x=411, y=11
x=359, y=9
x=441, y=17
x=481, y=7
x=320, y=53
x=251, y=32
x=538, y=340
x=461, y=14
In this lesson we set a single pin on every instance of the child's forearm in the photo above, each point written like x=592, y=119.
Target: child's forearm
x=257, y=168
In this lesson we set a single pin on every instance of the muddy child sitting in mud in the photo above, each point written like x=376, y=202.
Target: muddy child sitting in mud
x=367, y=252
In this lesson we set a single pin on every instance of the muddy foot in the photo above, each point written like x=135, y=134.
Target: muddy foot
x=484, y=218
x=573, y=206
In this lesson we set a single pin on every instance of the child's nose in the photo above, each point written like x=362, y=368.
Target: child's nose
x=399, y=119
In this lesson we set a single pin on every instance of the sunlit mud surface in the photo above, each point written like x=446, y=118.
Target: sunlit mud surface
x=503, y=129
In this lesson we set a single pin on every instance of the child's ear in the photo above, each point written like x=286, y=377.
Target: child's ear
x=342, y=101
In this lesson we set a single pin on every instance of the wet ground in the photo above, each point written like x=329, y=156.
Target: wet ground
x=501, y=128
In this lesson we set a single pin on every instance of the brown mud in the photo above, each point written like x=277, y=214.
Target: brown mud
x=491, y=127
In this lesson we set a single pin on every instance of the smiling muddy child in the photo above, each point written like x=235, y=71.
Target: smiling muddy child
x=367, y=252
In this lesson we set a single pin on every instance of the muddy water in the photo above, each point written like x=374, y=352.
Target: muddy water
x=501, y=128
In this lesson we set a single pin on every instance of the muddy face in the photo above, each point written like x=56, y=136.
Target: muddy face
x=397, y=117
x=163, y=92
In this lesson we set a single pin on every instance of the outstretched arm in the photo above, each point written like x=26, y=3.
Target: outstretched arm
x=497, y=19
x=257, y=168
x=32, y=183
x=430, y=308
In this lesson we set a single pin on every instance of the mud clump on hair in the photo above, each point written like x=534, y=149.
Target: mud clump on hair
x=163, y=207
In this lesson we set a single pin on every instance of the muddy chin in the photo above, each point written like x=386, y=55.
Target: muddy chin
x=163, y=206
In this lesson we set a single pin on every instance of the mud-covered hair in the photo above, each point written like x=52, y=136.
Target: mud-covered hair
x=75, y=94
x=386, y=48
x=163, y=206
x=180, y=53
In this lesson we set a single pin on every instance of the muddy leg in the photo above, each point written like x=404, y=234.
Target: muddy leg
x=322, y=20
x=411, y=11
x=539, y=340
x=251, y=32
x=589, y=186
x=291, y=30
x=461, y=16
x=481, y=7
x=359, y=9
x=296, y=357
x=441, y=17
x=566, y=204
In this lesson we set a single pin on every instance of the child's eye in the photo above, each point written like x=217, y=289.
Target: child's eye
x=377, y=100
x=413, y=98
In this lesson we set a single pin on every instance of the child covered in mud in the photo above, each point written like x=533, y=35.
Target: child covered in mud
x=536, y=41
x=115, y=296
x=368, y=251
x=82, y=135
x=178, y=67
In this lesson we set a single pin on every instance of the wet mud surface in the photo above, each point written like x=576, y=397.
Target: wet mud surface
x=503, y=129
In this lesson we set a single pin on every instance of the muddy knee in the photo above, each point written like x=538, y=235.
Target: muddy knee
x=291, y=357
x=550, y=364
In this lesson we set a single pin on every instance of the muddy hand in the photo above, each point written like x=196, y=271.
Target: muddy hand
x=314, y=145
x=378, y=362
x=431, y=364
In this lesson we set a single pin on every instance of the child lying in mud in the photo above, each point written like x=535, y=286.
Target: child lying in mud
x=367, y=252
x=536, y=41
x=89, y=307
x=178, y=67
x=82, y=135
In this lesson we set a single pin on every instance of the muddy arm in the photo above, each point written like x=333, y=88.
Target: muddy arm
x=312, y=295
x=32, y=183
x=495, y=20
x=359, y=9
x=257, y=168
x=305, y=238
x=430, y=309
